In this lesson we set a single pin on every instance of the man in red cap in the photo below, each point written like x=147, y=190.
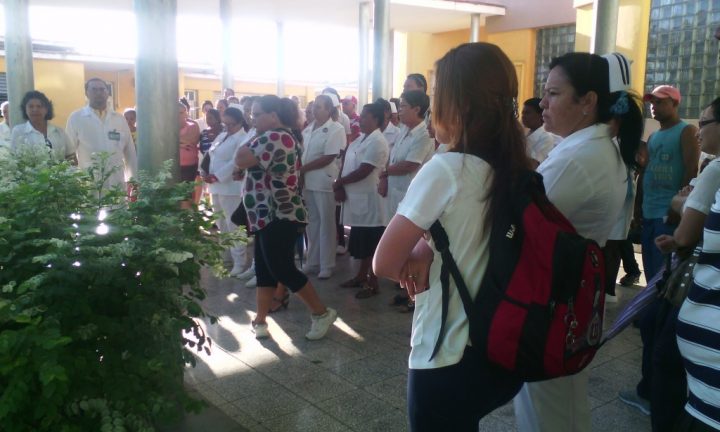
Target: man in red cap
x=673, y=155
x=349, y=106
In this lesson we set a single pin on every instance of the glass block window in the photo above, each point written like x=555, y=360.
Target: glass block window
x=551, y=42
x=683, y=52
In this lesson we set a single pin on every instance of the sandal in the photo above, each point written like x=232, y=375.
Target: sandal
x=281, y=303
x=353, y=283
x=367, y=291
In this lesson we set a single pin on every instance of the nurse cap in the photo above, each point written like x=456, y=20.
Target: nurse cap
x=618, y=72
x=333, y=97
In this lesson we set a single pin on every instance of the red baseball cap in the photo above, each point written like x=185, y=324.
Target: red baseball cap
x=352, y=99
x=662, y=92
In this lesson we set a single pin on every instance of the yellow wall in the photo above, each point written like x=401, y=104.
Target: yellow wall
x=424, y=49
x=123, y=81
x=519, y=46
x=631, y=39
x=62, y=82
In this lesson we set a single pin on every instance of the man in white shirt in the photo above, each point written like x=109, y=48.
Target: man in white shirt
x=94, y=129
x=5, y=125
x=539, y=141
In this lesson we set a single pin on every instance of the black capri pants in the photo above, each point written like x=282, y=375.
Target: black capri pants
x=275, y=256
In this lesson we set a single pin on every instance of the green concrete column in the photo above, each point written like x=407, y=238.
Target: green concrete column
x=18, y=56
x=226, y=18
x=156, y=77
x=364, y=45
x=382, y=68
x=606, y=19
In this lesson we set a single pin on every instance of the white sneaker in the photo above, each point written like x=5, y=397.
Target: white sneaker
x=325, y=274
x=252, y=283
x=236, y=271
x=340, y=250
x=247, y=274
x=310, y=269
x=260, y=330
x=321, y=324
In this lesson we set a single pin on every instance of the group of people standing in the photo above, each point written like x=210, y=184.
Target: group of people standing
x=393, y=169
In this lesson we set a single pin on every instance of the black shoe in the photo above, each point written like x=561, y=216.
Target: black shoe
x=630, y=279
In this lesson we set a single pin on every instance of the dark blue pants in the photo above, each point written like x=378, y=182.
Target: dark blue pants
x=455, y=398
x=663, y=382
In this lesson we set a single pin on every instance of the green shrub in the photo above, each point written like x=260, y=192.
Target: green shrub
x=98, y=297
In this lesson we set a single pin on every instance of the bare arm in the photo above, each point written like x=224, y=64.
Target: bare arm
x=363, y=171
x=402, y=168
x=318, y=163
x=687, y=234
x=245, y=158
x=396, y=244
x=690, y=154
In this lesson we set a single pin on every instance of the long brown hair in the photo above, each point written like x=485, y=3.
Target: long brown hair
x=475, y=104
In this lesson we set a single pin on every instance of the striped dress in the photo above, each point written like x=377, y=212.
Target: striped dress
x=698, y=328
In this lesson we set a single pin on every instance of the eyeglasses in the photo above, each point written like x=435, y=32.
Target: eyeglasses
x=703, y=123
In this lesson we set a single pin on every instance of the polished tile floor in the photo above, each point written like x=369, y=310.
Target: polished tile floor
x=355, y=378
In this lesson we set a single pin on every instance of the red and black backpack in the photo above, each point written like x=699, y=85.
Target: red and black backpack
x=539, y=311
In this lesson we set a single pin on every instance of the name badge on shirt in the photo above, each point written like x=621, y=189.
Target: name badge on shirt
x=114, y=135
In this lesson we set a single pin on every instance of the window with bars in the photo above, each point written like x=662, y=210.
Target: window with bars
x=551, y=42
x=683, y=52
x=3, y=87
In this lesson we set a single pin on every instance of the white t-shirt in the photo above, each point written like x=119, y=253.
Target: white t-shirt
x=391, y=134
x=364, y=206
x=326, y=140
x=586, y=179
x=25, y=135
x=450, y=187
x=540, y=142
x=707, y=184
x=413, y=146
x=5, y=137
x=222, y=163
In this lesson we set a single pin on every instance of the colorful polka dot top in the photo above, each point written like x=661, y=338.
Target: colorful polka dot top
x=271, y=186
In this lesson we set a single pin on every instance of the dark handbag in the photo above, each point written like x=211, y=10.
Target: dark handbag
x=239, y=216
x=205, y=163
x=677, y=285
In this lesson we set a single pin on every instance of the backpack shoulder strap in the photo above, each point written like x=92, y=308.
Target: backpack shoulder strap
x=448, y=268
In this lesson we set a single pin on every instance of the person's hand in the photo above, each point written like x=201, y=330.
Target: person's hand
x=415, y=273
x=383, y=187
x=666, y=243
x=685, y=191
x=211, y=178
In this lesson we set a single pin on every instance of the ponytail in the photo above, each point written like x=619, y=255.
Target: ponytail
x=625, y=109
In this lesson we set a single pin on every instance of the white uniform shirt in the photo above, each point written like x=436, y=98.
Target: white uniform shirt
x=586, y=179
x=391, y=134
x=89, y=135
x=344, y=120
x=707, y=184
x=25, y=134
x=364, y=206
x=413, y=146
x=325, y=140
x=222, y=163
x=540, y=142
x=450, y=187
x=5, y=135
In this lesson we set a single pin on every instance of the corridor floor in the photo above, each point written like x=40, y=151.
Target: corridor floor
x=355, y=378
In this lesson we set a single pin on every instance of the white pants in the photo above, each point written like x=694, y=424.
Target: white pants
x=227, y=204
x=556, y=405
x=321, y=230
